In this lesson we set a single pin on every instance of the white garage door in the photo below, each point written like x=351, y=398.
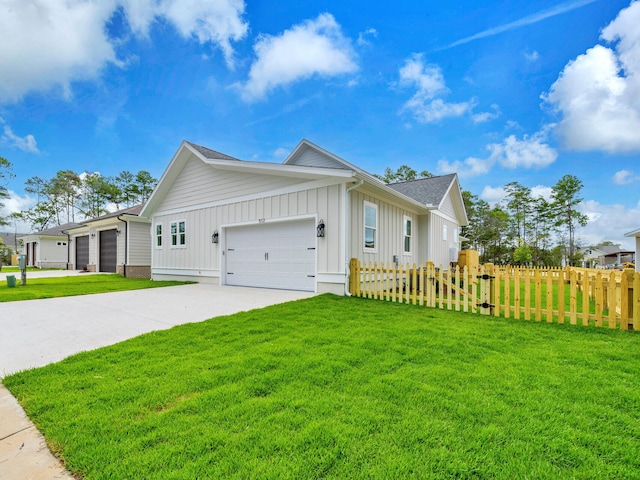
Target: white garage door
x=272, y=255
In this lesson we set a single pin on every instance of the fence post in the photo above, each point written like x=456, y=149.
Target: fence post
x=354, y=278
x=626, y=299
x=636, y=301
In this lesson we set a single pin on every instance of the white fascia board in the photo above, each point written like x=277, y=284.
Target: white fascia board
x=279, y=169
x=634, y=233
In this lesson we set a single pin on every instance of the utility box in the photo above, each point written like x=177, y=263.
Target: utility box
x=11, y=281
x=468, y=258
x=22, y=262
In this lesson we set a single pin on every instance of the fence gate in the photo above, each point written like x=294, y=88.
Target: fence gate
x=486, y=288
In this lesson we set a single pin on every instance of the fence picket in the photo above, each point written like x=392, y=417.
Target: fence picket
x=615, y=296
x=613, y=303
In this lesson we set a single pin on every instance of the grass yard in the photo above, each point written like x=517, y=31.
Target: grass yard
x=335, y=387
x=76, y=285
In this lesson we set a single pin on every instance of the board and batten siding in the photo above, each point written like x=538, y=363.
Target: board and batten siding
x=390, y=233
x=199, y=183
x=201, y=258
x=139, y=243
x=447, y=207
x=439, y=250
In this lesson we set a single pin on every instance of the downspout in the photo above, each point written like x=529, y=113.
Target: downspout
x=347, y=243
x=126, y=246
x=68, y=247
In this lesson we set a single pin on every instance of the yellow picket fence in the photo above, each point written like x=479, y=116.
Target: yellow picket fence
x=578, y=296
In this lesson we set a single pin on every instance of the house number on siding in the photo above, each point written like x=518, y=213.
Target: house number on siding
x=261, y=220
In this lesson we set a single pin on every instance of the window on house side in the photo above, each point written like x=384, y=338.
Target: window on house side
x=159, y=235
x=407, y=227
x=178, y=234
x=444, y=232
x=370, y=225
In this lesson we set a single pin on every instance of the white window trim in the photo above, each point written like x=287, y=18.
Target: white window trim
x=405, y=219
x=444, y=232
x=177, y=224
x=455, y=236
x=155, y=236
x=364, y=228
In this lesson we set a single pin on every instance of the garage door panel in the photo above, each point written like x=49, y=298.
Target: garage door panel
x=274, y=255
x=108, y=250
x=82, y=252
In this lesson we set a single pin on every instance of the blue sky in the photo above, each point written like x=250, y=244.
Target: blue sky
x=498, y=91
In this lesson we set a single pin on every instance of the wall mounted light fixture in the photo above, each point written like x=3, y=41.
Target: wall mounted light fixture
x=93, y=235
x=214, y=236
x=320, y=228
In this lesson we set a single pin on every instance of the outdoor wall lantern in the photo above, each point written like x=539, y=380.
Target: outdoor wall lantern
x=215, y=237
x=93, y=235
x=320, y=228
x=118, y=231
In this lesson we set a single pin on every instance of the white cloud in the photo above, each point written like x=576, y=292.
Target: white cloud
x=532, y=57
x=27, y=143
x=16, y=203
x=429, y=82
x=530, y=152
x=608, y=222
x=598, y=93
x=52, y=43
x=486, y=116
x=281, y=153
x=362, y=40
x=625, y=177
x=493, y=195
x=528, y=20
x=470, y=167
x=314, y=47
x=541, y=191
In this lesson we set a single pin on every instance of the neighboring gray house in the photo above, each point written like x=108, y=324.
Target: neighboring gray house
x=614, y=256
x=636, y=234
x=48, y=248
x=294, y=225
x=119, y=242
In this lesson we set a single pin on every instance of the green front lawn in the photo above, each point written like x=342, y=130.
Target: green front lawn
x=334, y=387
x=76, y=285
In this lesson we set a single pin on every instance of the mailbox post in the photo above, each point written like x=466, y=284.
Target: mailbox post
x=22, y=261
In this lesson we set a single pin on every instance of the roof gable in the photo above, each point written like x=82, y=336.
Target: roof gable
x=308, y=154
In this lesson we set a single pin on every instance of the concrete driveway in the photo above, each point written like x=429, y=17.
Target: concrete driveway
x=34, y=333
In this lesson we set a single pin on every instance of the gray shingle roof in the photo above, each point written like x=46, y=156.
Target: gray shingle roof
x=57, y=231
x=135, y=210
x=208, y=153
x=428, y=191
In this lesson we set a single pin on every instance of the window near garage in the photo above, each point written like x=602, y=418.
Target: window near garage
x=407, y=229
x=158, y=235
x=179, y=233
x=370, y=225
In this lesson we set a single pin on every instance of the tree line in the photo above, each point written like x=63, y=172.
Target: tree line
x=71, y=196
x=525, y=229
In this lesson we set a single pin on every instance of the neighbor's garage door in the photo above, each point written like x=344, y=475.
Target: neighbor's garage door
x=108, y=250
x=272, y=255
x=82, y=252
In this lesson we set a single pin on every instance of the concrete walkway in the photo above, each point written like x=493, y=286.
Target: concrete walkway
x=38, y=332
